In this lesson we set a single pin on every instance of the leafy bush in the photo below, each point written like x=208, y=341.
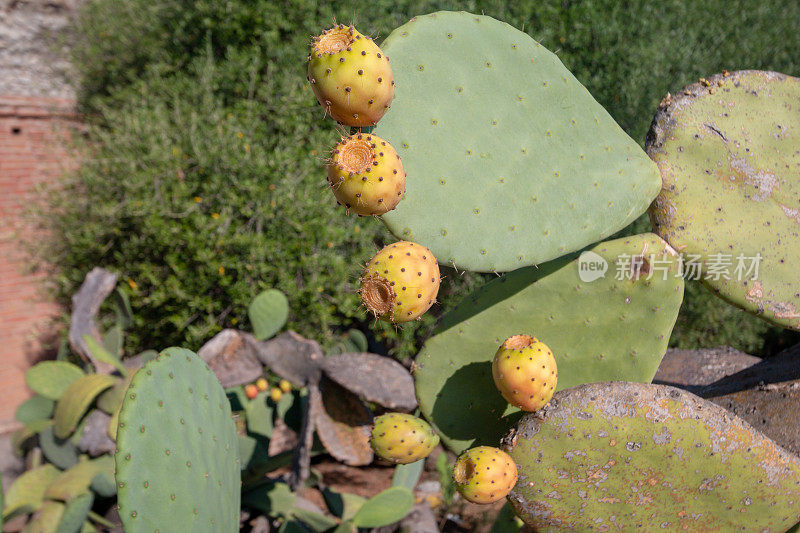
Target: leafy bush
x=205, y=185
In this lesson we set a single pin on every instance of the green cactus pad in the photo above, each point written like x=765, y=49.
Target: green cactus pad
x=177, y=450
x=385, y=508
x=52, y=378
x=510, y=160
x=268, y=313
x=46, y=519
x=598, y=330
x=78, y=479
x=61, y=452
x=76, y=400
x=728, y=149
x=35, y=408
x=27, y=492
x=636, y=457
x=75, y=513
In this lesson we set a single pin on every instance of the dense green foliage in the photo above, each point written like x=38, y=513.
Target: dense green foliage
x=205, y=182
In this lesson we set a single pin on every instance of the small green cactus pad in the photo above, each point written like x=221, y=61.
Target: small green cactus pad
x=728, y=149
x=27, y=492
x=177, y=450
x=598, y=330
x=639, y=457
x=76, y=400
x=510, y=160
x=52, y=378
x=268, y=313
x=78, y=479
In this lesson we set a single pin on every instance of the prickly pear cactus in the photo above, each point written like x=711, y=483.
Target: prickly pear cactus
x=177, y=452
x=511, y=162
x=366, y=175
x=401, y=282
x=350, y=76
x=728, y=149
x=637, y=457
x=402, y=438
x=600, y=329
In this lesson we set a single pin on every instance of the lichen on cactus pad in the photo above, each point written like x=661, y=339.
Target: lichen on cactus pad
x=401, y=282
x=513, y=162
x=177, y=461
x=484, y=474
x=728, y=148
x=402, y=439
x=639, y=457
x=350, y=76
x=525, y=372
x=366, y=175
x=615, y=326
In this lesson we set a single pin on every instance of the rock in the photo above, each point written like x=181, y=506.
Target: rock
x=694, y=369
x=231, y=355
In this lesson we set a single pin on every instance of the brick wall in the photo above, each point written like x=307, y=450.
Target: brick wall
x=32, y=151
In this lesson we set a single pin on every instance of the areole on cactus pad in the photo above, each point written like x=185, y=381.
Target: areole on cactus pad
x=511, y=162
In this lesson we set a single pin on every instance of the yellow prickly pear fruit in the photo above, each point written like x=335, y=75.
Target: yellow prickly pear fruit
x=485, y=474
x=366, y=175
x=525, y=373
x=350, y=76
x=401, y=282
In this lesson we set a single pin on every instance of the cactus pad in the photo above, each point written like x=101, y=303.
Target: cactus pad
x=728, y=149
x=177, y=451
x=510, y=160
x=631, y=456
x=27, y=492
x=605, y=329
x=52, y=378
x=76, y=400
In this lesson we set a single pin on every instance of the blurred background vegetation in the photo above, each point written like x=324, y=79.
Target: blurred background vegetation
x=203, y=181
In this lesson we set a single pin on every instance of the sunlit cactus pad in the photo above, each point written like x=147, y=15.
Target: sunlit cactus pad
x=598, y=330
x=177, y=450
x=728, y=149
x=638, y=457
x=510, y=161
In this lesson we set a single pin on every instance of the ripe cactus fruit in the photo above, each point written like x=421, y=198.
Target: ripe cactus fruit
x=402, y=438
x=261, y=384
x=401, y=282
x=251, y=391
x=275, y=394
x=350, y=76
x=285, y=386
x=366, y=175
x=525, y=373
x=485, y=474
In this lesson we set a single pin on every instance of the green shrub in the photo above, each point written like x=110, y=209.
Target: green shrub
x=207, y=99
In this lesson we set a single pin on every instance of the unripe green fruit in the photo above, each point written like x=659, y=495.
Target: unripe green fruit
x=525, y=373
x=401, y=282
x=402, y=438
x=484, y=474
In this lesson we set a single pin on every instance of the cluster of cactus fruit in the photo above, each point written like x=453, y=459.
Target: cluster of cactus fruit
x=514, y=169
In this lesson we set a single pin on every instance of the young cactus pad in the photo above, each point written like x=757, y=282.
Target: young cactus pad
x=177, y=451
x=632, y=456
x=601, y=329
x=513, y=162
x=729, y=151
